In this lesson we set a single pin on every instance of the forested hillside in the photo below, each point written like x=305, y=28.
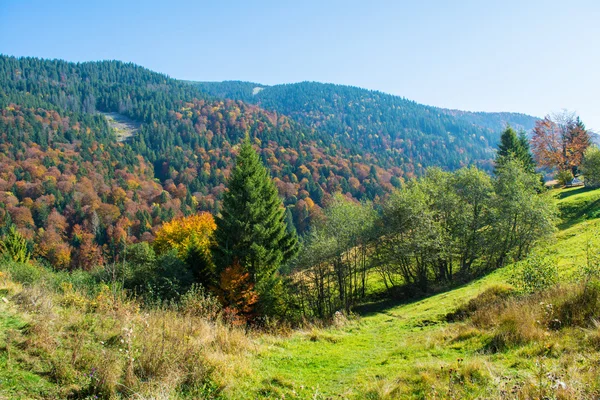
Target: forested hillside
x=401, y=132
x=149, y=240
x=74, y=187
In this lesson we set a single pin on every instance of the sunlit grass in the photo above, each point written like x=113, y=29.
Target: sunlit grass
x=392, y=350
x=410, y=340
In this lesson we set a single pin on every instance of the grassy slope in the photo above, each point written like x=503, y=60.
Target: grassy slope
x=408, y=339
x=395, y=351
x=15, y=381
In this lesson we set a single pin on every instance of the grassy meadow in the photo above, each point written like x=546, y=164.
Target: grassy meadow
x=63, y=336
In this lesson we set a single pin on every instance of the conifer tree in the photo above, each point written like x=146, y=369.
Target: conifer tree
x=252, y=228
x=513, y=146
x=525, y=154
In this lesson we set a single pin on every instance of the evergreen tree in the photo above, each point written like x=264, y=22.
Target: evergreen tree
x=252, y=228
x=513, y=146
x=525, y=152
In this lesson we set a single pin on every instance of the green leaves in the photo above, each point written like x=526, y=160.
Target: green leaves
x=516, y=148
x=252, y=227
x=534, y=274
x=14, y=246
x=591, y=167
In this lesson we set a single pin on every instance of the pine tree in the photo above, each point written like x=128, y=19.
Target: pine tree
x=513, y=146
x=509, y=144
x=524, y=153
x=252, y=228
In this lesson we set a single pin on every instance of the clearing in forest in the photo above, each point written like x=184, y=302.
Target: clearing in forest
x=123, y=126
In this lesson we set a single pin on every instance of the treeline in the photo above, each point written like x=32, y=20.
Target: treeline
x=60, y=158
x=437, y=230
x=396, y=131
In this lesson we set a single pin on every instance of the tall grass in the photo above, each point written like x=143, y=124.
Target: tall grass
x=91, y=340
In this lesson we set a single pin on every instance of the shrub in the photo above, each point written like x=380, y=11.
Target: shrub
x=199, y=303
x=25, y=273
x=156, y=279
x=590, y=167
x=237, y=294
x=534, y=274
x=490, y=297
x=564, y=177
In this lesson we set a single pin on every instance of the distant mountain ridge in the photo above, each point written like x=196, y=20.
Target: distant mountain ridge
x=399, y=130
x=246, y=91
x=108, y=150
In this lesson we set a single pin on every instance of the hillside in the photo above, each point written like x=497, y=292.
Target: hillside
x=400, y=131
x=411, y=350
x=63, y=155
x=112, y=150
x=407, y=350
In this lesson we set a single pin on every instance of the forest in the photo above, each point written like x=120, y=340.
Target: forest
x=170, y=198
x=61, y=160
x=250, y=211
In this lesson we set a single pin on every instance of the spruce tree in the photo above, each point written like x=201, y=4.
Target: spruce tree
x=252, y=228
x=513, y=146
x=14, y=246
x=524, y=153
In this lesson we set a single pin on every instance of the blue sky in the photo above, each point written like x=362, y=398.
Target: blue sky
x=525, y=56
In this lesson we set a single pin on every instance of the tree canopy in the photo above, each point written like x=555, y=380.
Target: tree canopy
x=559, y=141
x=252, y=228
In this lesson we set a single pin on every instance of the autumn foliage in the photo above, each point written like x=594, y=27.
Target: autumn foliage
x=237, y=293
x=559, y=141
x=186, y=232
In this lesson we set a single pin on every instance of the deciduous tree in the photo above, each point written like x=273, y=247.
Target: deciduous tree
x=559, y=141
x=591, y=167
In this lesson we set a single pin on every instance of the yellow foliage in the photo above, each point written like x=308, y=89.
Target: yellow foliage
x=71, y=298
x=182, y=233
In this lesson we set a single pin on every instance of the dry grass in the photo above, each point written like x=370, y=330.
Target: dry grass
x=109, y=346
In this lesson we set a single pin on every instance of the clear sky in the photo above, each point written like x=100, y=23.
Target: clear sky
x=526, y=56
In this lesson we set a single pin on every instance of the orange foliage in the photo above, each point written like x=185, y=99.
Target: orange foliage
x=559, y=142
x=237, y=293
x=53, y=248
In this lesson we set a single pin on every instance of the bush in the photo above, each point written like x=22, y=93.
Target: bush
x=590, y=167
x=490, y=297
x=82, y=281
x=581, y=307
x=154, y=279
x=25, y=273
x=534, y=274
x=198, y=302
x=564, y=177
x=165, y=279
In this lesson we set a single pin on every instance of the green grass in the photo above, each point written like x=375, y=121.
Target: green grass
x=392, y=350
x=349, y=359
x=577, y=205
x=17, y=381
x=407, y=339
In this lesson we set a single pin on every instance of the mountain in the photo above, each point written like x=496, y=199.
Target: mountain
x=401, y=132
x=97, y=154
